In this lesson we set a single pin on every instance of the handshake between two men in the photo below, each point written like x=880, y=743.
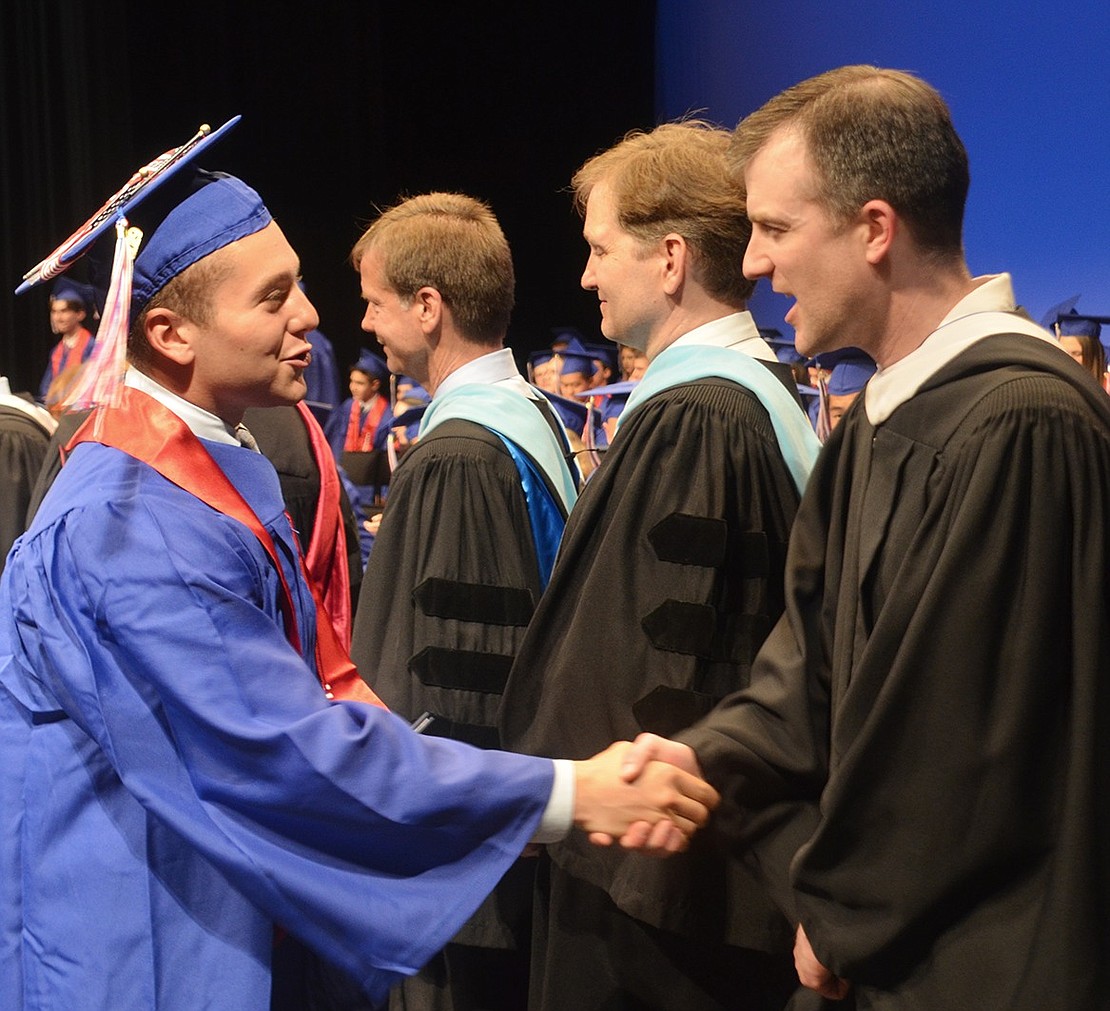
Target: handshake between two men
x=648, y=795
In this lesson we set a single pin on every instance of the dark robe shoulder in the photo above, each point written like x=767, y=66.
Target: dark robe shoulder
x=23, y=446
x=451, y=583
x=938, y=687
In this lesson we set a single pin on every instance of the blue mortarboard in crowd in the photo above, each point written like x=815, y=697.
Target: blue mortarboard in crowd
x=784, y=348
x=828, y=359
x=606, y=353
x=1064, y=321
x=372, y=364
x=609, y=400
x=410, y=408
x=67, y=290
x=850, y=375
x=571, y=413
x=563, y=335
x=576, y=359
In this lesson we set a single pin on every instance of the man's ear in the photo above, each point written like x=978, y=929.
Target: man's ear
x=880, y=226
x=170, y=335
x=675, y=254
x=429, y=304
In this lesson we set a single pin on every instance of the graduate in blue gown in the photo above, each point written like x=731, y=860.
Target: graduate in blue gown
x=188, y=761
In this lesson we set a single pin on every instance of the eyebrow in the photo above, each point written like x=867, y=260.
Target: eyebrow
x=281, y=278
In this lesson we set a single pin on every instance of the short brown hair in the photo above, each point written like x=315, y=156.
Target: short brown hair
x=873, y=134
x=453, y=243
x=677, y=179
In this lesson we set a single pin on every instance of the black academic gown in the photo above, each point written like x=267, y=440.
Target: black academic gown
x=450, y=587
x=940, y=686
x=668, y=579
x=23, y=445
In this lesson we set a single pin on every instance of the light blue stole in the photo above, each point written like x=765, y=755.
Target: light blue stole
x=682, y=364
x=531, y=443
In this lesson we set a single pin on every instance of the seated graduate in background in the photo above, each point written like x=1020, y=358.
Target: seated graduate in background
x=358, y=431
x=70, y=308
x=846, y=382
x=1081, y=337
x=361, y=423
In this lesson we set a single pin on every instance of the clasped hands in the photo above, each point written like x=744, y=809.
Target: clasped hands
x=648, y=795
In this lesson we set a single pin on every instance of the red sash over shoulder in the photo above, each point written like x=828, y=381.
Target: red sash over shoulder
x=326, y=552
x=144, y=429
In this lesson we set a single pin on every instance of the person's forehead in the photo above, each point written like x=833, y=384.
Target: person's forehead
x=371, y=270
x=782, y=160
x=601, y=209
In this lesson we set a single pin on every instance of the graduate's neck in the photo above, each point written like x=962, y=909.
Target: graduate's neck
x=178, y=379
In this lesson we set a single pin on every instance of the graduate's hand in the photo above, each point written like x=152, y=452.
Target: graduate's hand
x=648, y=748
x=812, y=974
x=666, y=803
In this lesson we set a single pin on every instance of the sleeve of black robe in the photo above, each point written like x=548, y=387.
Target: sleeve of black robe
x=450, y=585
x=23, y=445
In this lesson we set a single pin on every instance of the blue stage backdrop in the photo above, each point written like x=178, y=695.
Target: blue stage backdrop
x=1028, y=85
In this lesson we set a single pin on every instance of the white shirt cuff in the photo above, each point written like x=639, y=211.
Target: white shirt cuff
x=558, y=816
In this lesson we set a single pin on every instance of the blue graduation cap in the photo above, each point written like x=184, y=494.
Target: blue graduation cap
x=606, y=353
x=410, y=417
x=784, y=348
x=829, y=359
x=850, y=375
x=571, y=413
x=1064, y=321
x=67, y=290
x=122, y=203
x=609, y=400
x=563, y=335
x=576, y=359
x=372, y=364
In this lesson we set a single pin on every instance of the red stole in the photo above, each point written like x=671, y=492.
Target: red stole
x=154, y=435
x=62, y=356
x=360, y=434
x=326, y=555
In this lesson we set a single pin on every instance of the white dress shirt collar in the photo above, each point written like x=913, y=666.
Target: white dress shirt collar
x=203, y=424
x=737, y=331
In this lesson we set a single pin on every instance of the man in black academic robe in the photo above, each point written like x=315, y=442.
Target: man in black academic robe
x=921, y=765
x=469, y=533
x=668, y=580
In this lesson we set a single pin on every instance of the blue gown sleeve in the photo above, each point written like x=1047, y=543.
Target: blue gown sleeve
x=369, y=842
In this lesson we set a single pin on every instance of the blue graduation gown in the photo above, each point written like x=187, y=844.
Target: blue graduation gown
x=173, y=782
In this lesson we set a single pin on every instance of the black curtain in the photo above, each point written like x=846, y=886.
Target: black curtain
x=347, y=105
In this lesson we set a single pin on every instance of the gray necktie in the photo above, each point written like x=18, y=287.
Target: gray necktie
x=242, y=433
